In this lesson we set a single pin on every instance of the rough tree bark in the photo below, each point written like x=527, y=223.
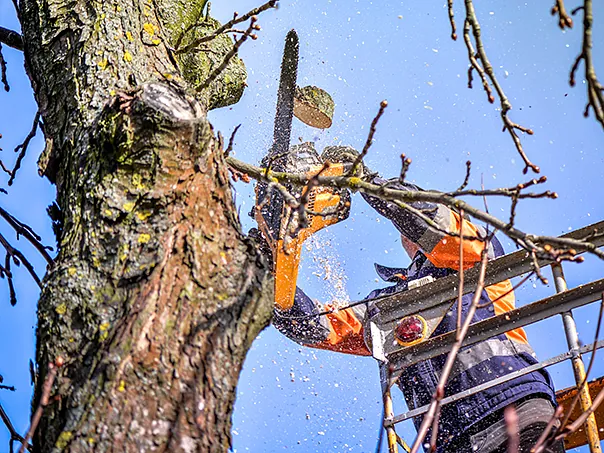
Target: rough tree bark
x=156, y=295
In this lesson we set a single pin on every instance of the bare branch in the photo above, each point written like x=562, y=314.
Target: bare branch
x=508, y=192
x=461, y=276
x=44, y=399
x=14, y=255
x=547, y=247
x=227, y=58
x=595, y=90
x=486, y=70
x=405, y=164
x=464, y=184
x=223, y=29
x=312, y=183
x=574, y=426
x=448, y=367
x=545, y=440
x=369, y=140
x=542, y=441
x=14, y=435
x=23, y=147
x=3, y=78
x=452, y=20
x=28, y=233
x=231, y=141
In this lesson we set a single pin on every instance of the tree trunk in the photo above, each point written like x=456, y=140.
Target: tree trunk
x=155, y=295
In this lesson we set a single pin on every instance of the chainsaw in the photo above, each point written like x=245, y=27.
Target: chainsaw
x=279, y=222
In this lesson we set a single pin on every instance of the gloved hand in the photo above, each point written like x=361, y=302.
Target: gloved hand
x=347, y=155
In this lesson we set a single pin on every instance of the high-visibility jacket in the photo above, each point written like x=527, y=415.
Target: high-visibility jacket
x=439, y=256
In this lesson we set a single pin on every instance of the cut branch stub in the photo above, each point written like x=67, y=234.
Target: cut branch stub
x=314, y=106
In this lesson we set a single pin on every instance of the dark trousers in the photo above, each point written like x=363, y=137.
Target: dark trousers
x=491, y=434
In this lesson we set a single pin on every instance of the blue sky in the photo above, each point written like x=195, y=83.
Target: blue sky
x=295, y=399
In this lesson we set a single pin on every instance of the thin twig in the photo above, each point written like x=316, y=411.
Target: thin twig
x=513, y=206
x=564, y=20
x=464, y=184
x=405, y=164
x=511, y=290
x=6, y=170
x=508, y=191
x=9, y=279
x=545, y=441
x=511, y=423
x=369, y=140
x=14, y=435
x=223, y=29
x=448, y=367
x=28, y=233
x=574, y=426
x=452, y=20
x=306, y=192
x=541, y=442
x=44, y=398
x=3, y=77
x=227, y=58
x=231, y=142
x=537, y=268
x=461, y=271
x=17, y=257
x=23, y=147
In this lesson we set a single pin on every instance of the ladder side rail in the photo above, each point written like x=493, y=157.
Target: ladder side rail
x=483, y=330
x=500, y=380
x=443, y=290
x=572, y=338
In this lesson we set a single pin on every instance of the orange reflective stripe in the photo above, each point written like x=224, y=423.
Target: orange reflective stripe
x=504, y=304
x=446, y=252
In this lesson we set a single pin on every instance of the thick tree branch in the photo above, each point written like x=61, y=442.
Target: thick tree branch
x=543, y=246
x=11, y=38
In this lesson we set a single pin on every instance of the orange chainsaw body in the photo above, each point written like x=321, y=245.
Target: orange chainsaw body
x=287, y=249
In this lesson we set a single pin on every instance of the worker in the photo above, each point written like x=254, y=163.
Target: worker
x=476, y=423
